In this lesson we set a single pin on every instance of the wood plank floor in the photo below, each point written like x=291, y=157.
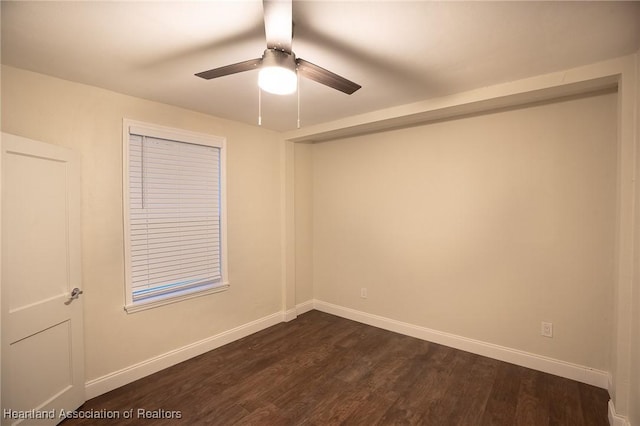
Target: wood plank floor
x=321, y=370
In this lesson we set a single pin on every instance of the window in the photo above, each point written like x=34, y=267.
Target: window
x=174, y=204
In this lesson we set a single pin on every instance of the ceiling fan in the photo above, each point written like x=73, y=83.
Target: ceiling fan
x=279, y=67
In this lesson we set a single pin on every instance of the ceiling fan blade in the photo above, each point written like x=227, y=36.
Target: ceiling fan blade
x=278, y=24
x=326, y=77
x=230, y=69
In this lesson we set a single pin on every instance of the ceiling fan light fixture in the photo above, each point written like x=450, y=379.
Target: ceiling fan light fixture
x=278, y=72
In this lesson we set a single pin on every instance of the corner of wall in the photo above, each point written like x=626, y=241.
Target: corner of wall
x=287, y=223
x=303, y=217
x=634, y=385
x=614, y=418
x=623, y=384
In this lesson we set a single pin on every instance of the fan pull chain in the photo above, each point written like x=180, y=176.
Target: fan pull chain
x=298, y=90
x=259, y=106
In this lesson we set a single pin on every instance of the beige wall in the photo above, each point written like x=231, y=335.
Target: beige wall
x=634, y=414
x=89, y=120
x=482, y=227
x=303, y=222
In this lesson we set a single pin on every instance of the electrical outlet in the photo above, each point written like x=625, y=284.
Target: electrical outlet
x=546, y=329
x=363, y=293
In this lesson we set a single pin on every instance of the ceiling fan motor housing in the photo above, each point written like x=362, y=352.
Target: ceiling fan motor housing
x=278, y=72
x=279, y=58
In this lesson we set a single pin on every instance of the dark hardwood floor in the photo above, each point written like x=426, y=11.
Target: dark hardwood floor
x=320, y=369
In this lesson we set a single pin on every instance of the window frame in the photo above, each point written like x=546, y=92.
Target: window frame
x=178, y=135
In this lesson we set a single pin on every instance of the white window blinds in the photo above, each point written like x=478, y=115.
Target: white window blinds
x=175, y=238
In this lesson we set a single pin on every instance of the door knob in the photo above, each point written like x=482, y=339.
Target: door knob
x=74, y=295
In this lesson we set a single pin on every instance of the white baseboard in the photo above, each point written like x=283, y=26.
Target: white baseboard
x=303, y=307
x=289, y=315
x=300, y=309
x=614, y=418
x=137, y=371
x=525, y=359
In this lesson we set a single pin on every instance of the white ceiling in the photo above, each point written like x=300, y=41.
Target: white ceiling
x=400, y=52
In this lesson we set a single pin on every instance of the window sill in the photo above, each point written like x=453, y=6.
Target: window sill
x=143, y=306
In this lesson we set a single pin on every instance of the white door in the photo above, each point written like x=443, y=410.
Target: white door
x=42, y=340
